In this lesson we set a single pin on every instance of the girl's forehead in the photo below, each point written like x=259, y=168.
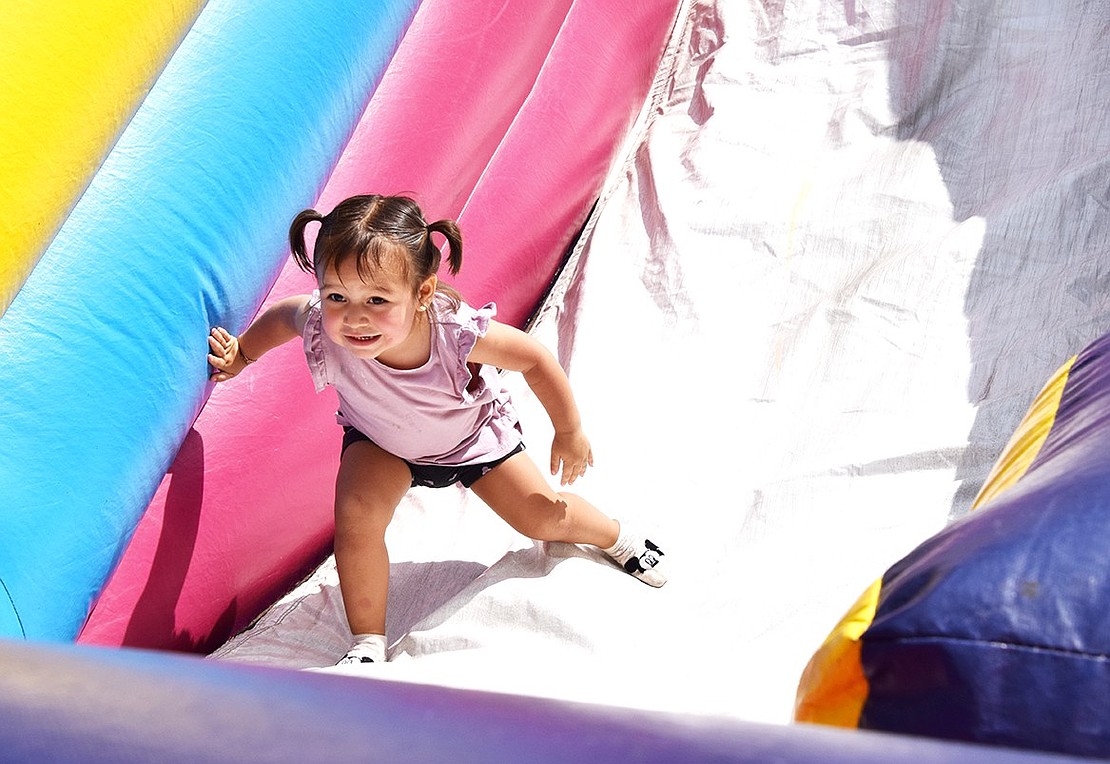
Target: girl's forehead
x=388, y=272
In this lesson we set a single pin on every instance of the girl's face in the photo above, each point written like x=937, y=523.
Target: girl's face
x=378, y=317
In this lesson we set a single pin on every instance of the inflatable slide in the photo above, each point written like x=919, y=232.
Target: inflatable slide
x=806, y=265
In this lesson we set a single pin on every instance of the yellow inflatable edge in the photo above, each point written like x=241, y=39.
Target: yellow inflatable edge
x=74, y=74
x=1028, y=438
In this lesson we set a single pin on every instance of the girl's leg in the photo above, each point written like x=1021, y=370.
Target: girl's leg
x=368, y=488
x=519, y=493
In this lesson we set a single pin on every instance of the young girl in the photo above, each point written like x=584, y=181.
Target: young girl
x=421, y=402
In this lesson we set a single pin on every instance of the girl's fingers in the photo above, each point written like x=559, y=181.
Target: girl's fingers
x=572, y=472
x=221, y=343
x=220, y=336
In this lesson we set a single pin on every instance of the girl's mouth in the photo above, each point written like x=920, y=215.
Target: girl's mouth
x=363, y=339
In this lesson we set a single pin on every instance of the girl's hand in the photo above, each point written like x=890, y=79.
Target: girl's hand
x=225, y=358
x=572, y=450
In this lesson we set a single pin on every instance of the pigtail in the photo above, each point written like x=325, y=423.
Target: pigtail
x=449, y=229
x=297, y=240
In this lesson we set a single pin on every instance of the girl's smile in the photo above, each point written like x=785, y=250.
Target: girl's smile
x=363, y=341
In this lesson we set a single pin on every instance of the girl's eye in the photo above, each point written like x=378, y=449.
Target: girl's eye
x=377, y=301
x=333, y=297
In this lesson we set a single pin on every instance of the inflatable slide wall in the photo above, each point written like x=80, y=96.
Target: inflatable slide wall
x=807, y=218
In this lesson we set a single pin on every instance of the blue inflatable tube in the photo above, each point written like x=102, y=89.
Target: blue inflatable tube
x=102, y=351
x=71, y=703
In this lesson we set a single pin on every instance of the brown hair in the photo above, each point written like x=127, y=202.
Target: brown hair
x=364, y=227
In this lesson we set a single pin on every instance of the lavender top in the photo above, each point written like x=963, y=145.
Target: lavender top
x=447, y=411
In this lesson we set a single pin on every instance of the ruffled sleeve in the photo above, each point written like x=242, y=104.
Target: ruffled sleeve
x=313, y=337
x=471, y=324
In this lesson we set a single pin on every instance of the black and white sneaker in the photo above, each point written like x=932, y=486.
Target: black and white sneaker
x=639, y=557
x=349, y=659
x=367, y=648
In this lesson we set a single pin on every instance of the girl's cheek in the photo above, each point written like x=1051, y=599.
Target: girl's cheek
x=332, y=324
x=389, y=318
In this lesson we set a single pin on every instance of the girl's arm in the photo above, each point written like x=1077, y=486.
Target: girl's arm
x=508, y=348
x=279, y=323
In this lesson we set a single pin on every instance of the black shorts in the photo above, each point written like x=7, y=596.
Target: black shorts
x=437, y=475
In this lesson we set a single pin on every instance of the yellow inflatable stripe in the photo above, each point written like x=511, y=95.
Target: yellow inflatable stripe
x=1027, y=439
x=833, y=689
x=73, y=73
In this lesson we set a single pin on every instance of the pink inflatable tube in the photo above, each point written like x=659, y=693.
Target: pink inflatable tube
x=545, y=176
x=507, y=118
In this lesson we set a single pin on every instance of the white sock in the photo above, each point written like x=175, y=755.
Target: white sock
x=367, y=648
x=622, y=549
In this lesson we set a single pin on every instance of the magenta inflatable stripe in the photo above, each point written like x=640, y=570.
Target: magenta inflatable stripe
x=246, y=507
x=541, y=184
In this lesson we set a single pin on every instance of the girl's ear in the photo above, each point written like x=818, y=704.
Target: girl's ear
x=427, y=289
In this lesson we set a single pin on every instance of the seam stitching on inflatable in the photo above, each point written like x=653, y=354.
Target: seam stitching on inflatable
x=637, y=132
x=970, y=640
x=15, y=610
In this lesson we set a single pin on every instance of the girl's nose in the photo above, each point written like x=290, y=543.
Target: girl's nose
x=351, y=309
x=355, y=313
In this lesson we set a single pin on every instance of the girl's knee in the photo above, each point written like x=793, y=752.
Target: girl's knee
x=363, y=508
x=547, y=520
x=369, y=486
